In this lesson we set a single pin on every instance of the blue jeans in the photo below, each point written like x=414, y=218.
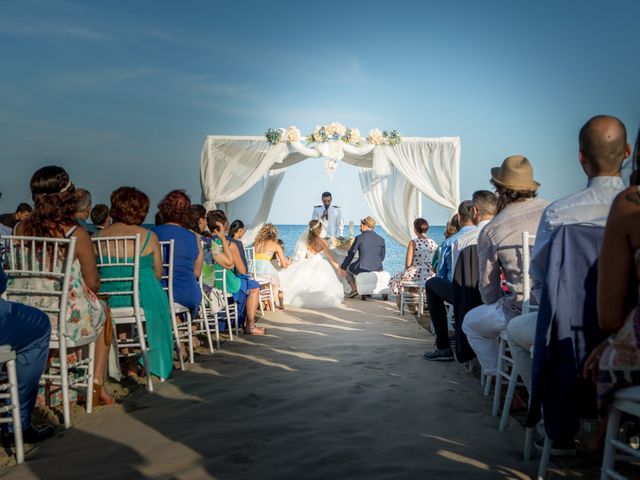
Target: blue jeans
x=28, y=331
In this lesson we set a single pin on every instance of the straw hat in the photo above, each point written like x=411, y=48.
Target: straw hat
x=515, y=173
x=369, y=222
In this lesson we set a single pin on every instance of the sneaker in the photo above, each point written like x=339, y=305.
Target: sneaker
x=442, y=355
x=353, y=294
x=557, y=449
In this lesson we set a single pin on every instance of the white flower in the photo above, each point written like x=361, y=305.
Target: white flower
x=317, y=137
x=355, y=136
x=375, y=137
x=292, y=134
x=330, y=129
x=339, y=128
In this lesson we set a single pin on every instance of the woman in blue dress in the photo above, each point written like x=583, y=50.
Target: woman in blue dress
x=129, y=208
x=175, y=209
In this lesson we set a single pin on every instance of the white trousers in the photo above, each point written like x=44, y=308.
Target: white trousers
x=521, y=333
x=483, y=325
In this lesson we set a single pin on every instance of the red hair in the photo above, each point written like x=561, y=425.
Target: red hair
x=175, y=207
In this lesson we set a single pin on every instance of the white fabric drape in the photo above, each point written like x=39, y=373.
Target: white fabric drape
x=393, y=201
x=231, y=166
x=254, y=206
x=432, y=166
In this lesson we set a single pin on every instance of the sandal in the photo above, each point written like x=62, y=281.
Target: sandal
x=253, y=330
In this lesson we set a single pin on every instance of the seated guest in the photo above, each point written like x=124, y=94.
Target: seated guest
x=264, y=248
x=245, y=290
x=417, y=263
x=129, y=208
x=500, y=251
x=12, y=219
x=452, y=228
x=472, y=216
x=615, y=363
x=236, y=232
x=603, y=147
x=100, y=216
x=54, y=216
x=27, y=330
x=83, y=209
x=198, y=223
x=371, y=250
x=175, y=209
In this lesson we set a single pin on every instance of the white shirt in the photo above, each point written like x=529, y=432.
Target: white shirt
x=334, y=225
x=465, y=240
x=590, y=206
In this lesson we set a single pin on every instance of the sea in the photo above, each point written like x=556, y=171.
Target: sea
x=395, y=253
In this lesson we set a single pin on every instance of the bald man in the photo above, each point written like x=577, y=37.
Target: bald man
x=603, y=148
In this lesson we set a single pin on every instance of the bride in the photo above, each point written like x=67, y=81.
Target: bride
x=311, y=280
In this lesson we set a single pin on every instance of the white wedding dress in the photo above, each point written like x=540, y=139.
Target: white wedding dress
x=310, y=281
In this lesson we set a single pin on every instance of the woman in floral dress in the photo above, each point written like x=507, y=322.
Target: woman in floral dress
x=53, y=216
x=418, y=262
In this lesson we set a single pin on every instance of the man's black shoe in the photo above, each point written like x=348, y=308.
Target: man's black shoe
x=33, y=435
x=442, y=355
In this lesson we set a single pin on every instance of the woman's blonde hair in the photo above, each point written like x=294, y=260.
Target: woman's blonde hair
x=315, y=227
x=266, y=233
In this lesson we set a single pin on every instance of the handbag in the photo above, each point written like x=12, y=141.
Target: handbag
x=217, y=302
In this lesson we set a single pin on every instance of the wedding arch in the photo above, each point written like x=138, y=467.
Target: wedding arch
x=241, y=174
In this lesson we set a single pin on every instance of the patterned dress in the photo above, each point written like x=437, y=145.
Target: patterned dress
x=85, y=313
x=421, y=269
x=619, y=365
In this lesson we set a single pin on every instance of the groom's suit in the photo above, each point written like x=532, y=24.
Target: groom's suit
x=371, y=251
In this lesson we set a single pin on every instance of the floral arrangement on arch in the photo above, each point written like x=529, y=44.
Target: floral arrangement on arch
x=333, y=132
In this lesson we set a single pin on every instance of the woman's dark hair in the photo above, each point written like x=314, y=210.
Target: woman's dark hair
x=99, y=214
x=213, y=217
x=197, y=212
x=635, y=174
x=129, y=206
x=234, y=227
x=420, y=225
x=158, y=220
x=175, y=207
x=452, y=227
x=54, y=203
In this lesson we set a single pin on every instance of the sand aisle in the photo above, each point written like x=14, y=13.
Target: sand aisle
x=341, y=393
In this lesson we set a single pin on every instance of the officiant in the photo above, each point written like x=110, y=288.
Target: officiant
x=329, y=215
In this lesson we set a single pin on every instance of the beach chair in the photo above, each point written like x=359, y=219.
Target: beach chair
x=626, y=400
x=10, y=409
x=411, y=294
x=231, y=309
x=47, y=259
x=176, y=309
x=123, y=254
x=506, y=367
x=266, y=288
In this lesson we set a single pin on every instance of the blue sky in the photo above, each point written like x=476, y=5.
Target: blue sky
x=123, y=93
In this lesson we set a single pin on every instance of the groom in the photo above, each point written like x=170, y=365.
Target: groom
x=371, y=250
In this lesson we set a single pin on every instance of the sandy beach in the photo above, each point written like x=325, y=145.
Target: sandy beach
x=338, y=393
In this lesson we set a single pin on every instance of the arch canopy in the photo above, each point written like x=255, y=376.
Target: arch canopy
x=244, y=173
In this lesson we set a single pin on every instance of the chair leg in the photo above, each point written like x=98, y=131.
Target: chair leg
x=609, y=454
x=528, y=443
x=144, y=350
x=176, y=335
x=216, y=326
x=15, y=402
x=506, y=408
x=229, y=327
x=498, y=389
x=544, y=459
x=90, y=369
x=64, y=383
x=190, y=337
x=206, y=326
x=487, y=385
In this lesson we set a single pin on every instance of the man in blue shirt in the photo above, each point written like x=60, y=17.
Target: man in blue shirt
x=439, y=289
